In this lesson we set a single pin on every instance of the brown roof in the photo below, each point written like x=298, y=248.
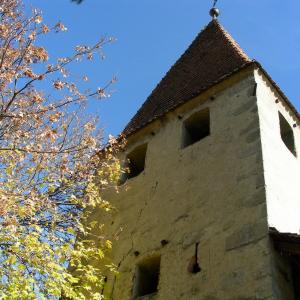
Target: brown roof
x=285, y=243
x=212, y=56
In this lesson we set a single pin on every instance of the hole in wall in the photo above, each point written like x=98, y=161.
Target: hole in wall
x=147, y=277
x=287, y=134
x=164, y=242
x=196, y=127
x=135, y=163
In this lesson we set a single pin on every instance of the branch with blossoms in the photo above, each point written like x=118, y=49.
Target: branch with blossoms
x=53, y=163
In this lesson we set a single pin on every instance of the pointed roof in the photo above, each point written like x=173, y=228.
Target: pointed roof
x=212, y=56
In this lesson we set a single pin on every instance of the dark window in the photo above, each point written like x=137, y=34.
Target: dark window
x=147, y=278
x=287, y=134
x=135, y=163
x=196, y=127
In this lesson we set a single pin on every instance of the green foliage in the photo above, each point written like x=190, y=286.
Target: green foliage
x=53, y=169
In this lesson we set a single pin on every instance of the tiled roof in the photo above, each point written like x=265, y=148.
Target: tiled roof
x=212, y=56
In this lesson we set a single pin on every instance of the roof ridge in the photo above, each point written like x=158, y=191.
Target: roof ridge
x=231, y=40
x=181, y=56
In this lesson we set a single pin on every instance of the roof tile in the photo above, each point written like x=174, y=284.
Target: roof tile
x=212, y=56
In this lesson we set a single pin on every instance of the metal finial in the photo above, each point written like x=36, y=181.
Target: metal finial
x=214, y=12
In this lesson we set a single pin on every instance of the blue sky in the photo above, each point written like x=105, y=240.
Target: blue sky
x=152, y=34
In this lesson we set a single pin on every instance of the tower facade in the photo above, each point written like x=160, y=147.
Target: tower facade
x=213, y=184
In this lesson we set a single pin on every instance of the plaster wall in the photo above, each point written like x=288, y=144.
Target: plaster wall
x=211, y=193
x=281, y=166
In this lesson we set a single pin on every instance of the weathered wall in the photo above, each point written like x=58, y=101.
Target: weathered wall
x=211, y=192
x=282, y=279
x=281, y=167
x=282, y=178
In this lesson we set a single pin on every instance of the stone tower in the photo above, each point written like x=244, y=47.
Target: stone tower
x=211, y=207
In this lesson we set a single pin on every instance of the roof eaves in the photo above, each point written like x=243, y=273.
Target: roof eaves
x=200, y=91
x=285, y=242
x=278, y=89
x=204, y=89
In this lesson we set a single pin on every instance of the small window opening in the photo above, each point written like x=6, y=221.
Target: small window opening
x=287, y=134
x=196, y=127
x=135, y=163
x=147, y=278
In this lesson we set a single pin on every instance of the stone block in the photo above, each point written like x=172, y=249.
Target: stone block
x=247, y=175
x=245, y=106
x=247, y=234
x=260, y=181
x=191, y=238
x=249, y=151
x=253, y=136
x=255, y=199
x=234, y=278
x=253, y=125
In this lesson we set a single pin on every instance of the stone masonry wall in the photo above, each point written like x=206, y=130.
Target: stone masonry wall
x=211, y=193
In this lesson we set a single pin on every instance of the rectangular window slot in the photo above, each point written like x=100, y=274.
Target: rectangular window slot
x=287, y=134
x=196, y=127
x=135, y=161
x=147, y=279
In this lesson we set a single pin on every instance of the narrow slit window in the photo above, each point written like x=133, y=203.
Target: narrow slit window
x=287, y=134
x=196, y=128
x=147, y=278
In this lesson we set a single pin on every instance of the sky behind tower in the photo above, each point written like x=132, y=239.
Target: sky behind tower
x=151, y=36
